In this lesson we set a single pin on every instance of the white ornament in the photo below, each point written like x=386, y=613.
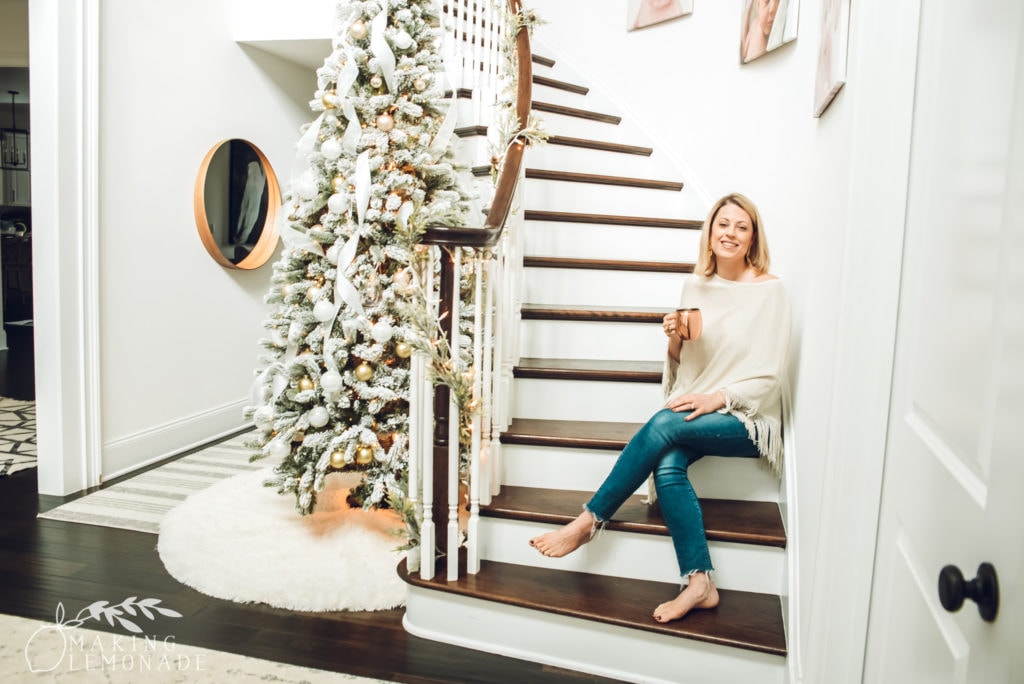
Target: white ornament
x=318, y=416
x=263, y=417
x=331, y=381
x=332, y=253
x=306, y=186
x=331, y=149
x=337, y=203
x=323, y=311
x=382, y=332
x=279, y=450
x=403, y=41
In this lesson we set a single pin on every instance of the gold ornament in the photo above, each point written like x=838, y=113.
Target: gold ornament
x=337, y=458
x=337, y=183
x=298, y=436
x=364, y=455
x=420, y=85
x=328, y=100
x=358, y=30
x=385, y=122
x=376, y=81
x=320, y=280
x=306, y=384
x=403, y=350
x=364, y=371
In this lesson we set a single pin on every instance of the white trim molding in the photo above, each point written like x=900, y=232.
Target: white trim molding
x=64, y=77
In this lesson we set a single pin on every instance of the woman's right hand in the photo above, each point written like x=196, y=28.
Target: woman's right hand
x=670, y=324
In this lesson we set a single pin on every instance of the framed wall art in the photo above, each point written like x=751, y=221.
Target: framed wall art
x=643, y=13
x=835, y=29
x=766, y=24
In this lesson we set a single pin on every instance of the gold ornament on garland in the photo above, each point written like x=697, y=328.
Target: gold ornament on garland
x=338, y=183
x=376, y=81
x=337, y=458
x=385, y=122
x=328, y=100
x=298, y=436
x=403, y=350
x=364, y=455
x=358, y=30
x=364, y=371
x=306, y=384
x=420, y=85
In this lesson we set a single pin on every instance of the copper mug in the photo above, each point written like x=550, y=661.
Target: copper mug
x=690, y=323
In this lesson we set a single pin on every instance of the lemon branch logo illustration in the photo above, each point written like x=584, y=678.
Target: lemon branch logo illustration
x=123, y=614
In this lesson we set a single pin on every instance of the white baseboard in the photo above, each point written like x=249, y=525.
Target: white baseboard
x=127, y=454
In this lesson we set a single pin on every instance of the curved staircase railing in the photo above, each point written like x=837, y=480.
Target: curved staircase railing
x=435, y=460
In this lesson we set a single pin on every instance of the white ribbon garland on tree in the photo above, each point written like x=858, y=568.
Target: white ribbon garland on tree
x=381, y=49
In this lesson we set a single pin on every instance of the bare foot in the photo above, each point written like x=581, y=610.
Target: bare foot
x=567, y=538
x=699, y=593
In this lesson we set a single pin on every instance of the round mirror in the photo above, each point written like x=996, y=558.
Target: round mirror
x=236, y=201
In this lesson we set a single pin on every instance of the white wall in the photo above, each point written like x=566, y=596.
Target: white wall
x=830, y=193
x=179, y=334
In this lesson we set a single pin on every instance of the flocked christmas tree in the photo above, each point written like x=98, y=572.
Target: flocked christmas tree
x=374, y=170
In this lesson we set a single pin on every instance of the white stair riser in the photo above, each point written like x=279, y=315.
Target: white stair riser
x=586, y=160
x=744, y=567
x=602, y=287
x=713, y=477
x=591, y=340
x=559, y=96
x=596, y=241
x=605, y=650
x=586, y=400
x=599, y=198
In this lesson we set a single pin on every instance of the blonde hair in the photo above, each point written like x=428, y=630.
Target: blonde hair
x=757, y=256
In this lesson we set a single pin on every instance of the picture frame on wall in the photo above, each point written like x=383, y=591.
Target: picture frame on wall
x=644, y=13
x=766, y=25
x=831, y=74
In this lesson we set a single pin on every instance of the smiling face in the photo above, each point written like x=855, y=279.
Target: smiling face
x=732, y=233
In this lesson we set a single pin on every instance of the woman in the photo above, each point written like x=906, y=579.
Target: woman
x=724, y=397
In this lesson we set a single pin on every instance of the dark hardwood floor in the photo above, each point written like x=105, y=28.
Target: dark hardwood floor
x=46, y=562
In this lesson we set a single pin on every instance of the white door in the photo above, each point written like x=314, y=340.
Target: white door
x=953, y=490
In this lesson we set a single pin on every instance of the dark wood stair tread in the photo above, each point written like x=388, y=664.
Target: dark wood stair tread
x=577, y=177
x=543, y=61
x=560, y=85
x=600, y=145
x=589, y=369
x=579, y=434
x=583, y=312
x=742, y=619
x=611, y=219
x=741, y=522
x=575, y=112
x=608, y=264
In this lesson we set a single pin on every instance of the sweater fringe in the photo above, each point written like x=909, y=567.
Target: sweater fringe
x=764, y=432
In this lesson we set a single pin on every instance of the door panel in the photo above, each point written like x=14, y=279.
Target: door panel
x=953, y=476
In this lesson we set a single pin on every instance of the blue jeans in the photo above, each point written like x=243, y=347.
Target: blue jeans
x=666, y=446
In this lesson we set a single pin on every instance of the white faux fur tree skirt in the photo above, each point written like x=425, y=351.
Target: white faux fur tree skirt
x=241, y=541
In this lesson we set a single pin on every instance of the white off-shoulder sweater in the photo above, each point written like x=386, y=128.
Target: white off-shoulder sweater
x=742, y=351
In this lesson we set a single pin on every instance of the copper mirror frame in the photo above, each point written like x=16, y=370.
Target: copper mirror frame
x=236, y=200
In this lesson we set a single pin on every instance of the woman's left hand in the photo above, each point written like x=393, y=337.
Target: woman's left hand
x=699, y=404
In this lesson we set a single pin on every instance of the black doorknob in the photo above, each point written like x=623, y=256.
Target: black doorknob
x=983, y=590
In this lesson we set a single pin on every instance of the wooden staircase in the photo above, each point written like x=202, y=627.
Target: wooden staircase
x=590, y=374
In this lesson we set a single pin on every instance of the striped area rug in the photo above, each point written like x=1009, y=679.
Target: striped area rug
x=141, y=502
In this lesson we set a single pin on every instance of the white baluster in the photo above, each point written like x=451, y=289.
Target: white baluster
x=473, y=552
x=453, y=425
x=415, y=447
x=489, y=485
x=427, y=527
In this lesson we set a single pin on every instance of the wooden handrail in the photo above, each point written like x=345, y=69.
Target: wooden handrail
x=511, y=167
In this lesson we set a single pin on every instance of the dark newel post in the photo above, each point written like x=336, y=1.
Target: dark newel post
x=442, y=397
